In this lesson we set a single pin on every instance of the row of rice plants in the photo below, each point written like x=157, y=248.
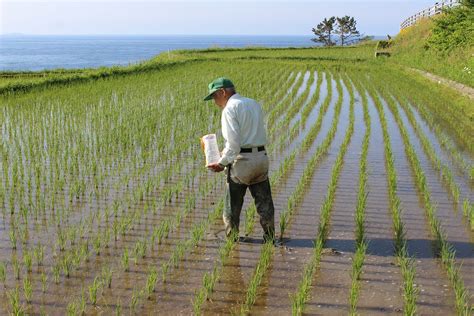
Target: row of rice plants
x=359, y=213
x=288, y=95
x=297, y=195
x=292, y=123
x=250, y=213
x=206, y=289
x=445, y=172
x=281, y=107
x=314, y=99
x=299, y=121
x=406, y=263
x=263, y=265
x=311, y=136
x=294, y=106
x=293, y=202
x=299, y=299
x=443, y=169
x=445, y=249
x=431, y=100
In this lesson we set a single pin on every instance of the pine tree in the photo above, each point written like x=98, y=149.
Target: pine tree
x=346, y=29
x=323, y=31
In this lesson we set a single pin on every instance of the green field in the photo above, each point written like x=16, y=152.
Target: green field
x=107, y=206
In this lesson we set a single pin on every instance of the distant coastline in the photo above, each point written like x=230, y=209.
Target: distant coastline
x=23, y=52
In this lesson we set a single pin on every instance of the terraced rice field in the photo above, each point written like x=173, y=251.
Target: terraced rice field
x=107, y=208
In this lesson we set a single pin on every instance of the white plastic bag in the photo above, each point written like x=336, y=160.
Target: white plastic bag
x=210, y=148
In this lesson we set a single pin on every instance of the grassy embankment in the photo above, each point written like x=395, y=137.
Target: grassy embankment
x=443, y=45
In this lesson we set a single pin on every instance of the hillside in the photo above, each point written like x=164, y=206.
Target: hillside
x=443, y=45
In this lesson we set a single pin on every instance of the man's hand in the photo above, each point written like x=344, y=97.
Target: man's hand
x=216, y=167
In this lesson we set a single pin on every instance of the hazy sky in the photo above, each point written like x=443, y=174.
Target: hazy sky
x=374, y=17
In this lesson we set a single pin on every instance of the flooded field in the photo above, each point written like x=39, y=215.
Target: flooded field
x=107, y=208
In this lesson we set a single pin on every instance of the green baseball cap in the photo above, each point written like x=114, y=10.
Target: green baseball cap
x=217, y=84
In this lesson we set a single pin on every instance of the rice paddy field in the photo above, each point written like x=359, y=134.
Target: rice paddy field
x=107, y=208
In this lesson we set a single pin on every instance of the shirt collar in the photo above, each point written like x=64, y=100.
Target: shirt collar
x=235, y=96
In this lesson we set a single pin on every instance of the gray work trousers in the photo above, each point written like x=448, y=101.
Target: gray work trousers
x=261, y=193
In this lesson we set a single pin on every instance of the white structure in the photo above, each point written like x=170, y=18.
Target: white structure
x=429, y=12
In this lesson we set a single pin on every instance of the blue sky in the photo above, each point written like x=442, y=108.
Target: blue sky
x=199, y=17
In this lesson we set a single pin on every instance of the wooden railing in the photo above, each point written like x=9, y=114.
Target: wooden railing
x=429, y=12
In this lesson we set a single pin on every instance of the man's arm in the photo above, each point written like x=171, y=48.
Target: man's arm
x=231, y=133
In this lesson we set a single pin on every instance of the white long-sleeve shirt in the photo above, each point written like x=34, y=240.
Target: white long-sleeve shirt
x=242, y=126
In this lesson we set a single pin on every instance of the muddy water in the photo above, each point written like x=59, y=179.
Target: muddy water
x=299, y=90
x=436, y=296
x=314, y=114
x=312, y=90
x=458, y=233
x=298, y=93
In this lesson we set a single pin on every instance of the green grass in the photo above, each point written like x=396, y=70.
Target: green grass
x=410, y=49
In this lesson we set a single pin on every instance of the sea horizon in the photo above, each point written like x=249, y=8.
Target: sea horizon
x=27, y=52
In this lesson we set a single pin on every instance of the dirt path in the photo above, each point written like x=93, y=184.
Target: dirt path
x=463, y=89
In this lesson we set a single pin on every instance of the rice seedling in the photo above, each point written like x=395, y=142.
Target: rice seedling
x=3, y=273
x=56, y=270
x=66, y=264
x=151, y=282
x=39, y=254
x=13, y=238
x=71, y=309
x=134, y=301
x=468, y=211
x=27, y=289
x=44, y=282
x=118, y=308
x=28, y=261
x=125, y=261
x=82, y=302
x=14, y=300
x=93, y=289
x=16, y=268
x=107, y=276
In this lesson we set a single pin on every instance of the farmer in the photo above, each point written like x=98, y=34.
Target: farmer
x=244, y=157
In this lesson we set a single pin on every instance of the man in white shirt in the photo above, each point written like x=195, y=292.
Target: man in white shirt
x=244, y=157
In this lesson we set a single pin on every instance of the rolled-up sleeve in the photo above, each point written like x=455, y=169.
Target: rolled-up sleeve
x=231, y=134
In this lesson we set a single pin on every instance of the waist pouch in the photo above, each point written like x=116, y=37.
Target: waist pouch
x=249, y=168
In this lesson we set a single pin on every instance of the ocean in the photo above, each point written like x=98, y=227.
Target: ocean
x=28, y=52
